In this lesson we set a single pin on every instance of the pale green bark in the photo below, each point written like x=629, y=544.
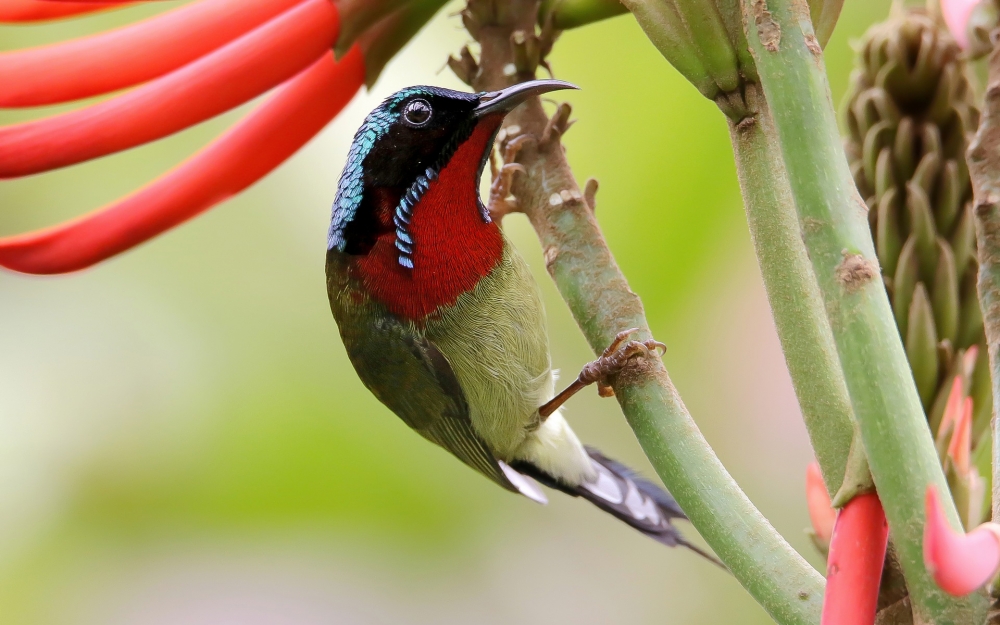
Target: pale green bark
x=833, y=221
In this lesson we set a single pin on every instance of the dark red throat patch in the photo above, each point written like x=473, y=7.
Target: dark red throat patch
x=453, y=248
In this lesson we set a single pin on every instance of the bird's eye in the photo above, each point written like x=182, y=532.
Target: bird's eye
x=417, y=112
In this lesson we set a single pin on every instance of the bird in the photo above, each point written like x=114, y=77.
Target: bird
x=442, y=319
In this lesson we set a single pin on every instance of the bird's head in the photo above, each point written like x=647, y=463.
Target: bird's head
x=418, y=139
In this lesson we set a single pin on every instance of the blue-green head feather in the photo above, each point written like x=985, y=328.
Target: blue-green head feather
x=398, y=150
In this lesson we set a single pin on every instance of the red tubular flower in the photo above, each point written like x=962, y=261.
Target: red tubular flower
x=854, y=567
x=821, y=511
x=123, y=57
x=250, y=150
x=228, y=77
x=960, y=563
x=41, y=10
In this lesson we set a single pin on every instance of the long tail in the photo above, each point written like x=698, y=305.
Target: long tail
x=624, y=494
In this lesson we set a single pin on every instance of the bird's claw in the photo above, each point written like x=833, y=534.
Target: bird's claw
x=614, y=359
x=502, y=200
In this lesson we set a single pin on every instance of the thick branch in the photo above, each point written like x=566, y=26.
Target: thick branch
x=836, y=233
x=796, y=304
x=599, y=297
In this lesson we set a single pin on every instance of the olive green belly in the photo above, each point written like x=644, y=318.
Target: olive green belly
x=496, y=341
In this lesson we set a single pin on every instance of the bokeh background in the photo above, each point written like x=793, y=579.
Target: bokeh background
x=182, y=438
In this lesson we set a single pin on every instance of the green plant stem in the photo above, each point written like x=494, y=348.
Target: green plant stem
x=384, y=39
x=796, y=304
x=588, y=278
x=834, y=224
x=565, y=14
x=824, y=18
x=356, y=16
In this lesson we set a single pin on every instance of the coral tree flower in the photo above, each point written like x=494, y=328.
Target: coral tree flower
x=854, y=566
x=956, y=15
x=960, y=563
x=855, y=540
x=954, y=442
x=185, y=65
x=822, y=514
x=126, y=56
x=37, y=10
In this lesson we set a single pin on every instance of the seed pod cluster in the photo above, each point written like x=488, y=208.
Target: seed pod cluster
x=909, y=114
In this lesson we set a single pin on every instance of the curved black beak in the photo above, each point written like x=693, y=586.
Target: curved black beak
x=506, y=99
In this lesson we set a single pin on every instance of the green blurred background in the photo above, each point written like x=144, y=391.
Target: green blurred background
x=182, y=439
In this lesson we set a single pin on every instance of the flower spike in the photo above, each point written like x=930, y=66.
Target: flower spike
x=226, y=78
x=249, y=151
x=854, y=566
x=126, y=56
x=960, y=563
x=13, y=11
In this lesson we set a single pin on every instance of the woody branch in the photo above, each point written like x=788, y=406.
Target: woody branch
x=536, y=179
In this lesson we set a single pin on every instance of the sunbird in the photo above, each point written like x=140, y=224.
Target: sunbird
x=441, y=317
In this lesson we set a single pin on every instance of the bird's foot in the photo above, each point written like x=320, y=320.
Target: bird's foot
x=502, y=200
x=557, y=125
x=510, y=141
x=612, y=361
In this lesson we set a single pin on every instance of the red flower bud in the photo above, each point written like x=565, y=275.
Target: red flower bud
x=960, y=447
x=854, y=566
x=821, y=511
x=250, y=150
x=953, y=408
x=956, y=15
x=960, y=563
x=226, y=78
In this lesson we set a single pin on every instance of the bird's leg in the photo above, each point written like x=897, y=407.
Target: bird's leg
x=614, y=358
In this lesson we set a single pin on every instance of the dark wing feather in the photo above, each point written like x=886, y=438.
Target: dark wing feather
x=452, y=429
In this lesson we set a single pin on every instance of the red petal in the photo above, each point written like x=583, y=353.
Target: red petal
x=126, y=56
x=854, y=566
x=960, y=563
x=821, y=511
x=953, y=407
x=228, y=77
x=258, y=144
x=39, y=10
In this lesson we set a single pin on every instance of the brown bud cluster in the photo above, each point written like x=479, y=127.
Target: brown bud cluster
x=909, y=114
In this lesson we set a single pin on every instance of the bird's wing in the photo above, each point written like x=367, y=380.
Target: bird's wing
x=411, y=376
x=451, y=427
